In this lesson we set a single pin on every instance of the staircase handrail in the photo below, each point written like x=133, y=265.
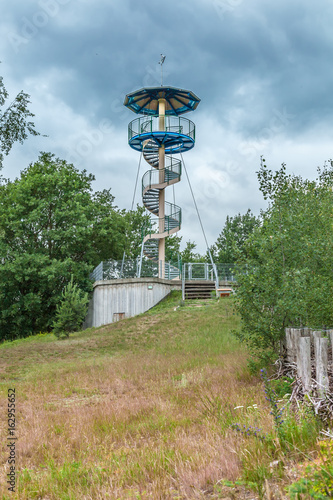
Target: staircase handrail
x=155, y=175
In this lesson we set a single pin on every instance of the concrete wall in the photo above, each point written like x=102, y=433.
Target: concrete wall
x=129, y=296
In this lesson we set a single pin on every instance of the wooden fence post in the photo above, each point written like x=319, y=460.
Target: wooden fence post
x=298, y=343
x=289, y=346
x=330, y=332
x=295, y=334
x=304, y=362
x=321, y=348
x=315, y=334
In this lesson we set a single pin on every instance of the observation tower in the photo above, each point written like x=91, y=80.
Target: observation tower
x=160, y=134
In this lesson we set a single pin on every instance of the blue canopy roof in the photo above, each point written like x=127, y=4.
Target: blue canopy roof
x=145, y=101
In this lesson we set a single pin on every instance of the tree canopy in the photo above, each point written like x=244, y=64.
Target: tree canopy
x=134, y=220
x=286, y=278
x=52, y=225
x=15, y=124
x=231, y=240
x=189, y=255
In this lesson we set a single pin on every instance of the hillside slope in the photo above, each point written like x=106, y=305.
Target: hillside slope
x=137, y=409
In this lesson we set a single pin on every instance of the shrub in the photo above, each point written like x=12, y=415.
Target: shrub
x=284, y=276
x=71, y=311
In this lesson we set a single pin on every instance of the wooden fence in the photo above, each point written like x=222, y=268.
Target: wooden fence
x=312, y=352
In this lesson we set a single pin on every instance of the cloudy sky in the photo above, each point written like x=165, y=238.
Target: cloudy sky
x=263, y=71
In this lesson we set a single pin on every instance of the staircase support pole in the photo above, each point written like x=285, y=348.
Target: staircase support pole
x=141, y=256
x=161, y=198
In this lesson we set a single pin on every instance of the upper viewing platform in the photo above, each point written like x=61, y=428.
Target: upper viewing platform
x=161, y=108
x=176, y=134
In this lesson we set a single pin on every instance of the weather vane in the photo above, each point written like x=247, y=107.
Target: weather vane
x=161, y=63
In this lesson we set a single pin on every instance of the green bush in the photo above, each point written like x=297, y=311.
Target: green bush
x=282, y=386
x=284, y=274
x=71, y=311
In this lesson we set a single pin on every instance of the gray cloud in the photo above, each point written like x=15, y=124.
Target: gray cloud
x=262, y=71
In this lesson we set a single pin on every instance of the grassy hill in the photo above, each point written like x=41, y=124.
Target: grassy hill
x=138, y=409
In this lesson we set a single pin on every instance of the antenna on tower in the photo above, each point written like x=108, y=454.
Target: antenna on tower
x=161, y=63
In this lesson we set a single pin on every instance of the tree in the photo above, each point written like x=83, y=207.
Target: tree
x=135, y=220
x=172, y=248
x=231, y=240
x=188, y=254
x=286, y=277
x=14, y=121
x=51, y=226
x=71, y=311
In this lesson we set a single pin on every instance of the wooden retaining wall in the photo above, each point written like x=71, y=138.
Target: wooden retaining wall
x=312, y=352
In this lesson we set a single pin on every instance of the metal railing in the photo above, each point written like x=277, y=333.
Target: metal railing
x=226, y=272
x=169, y=173
x=172, y=220
x=206, y=271
x=97, y=274
x=135, y=268
x=172, y=124
x=116, y=269
x=199, y=271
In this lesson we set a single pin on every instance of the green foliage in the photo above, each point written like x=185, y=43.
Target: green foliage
x=276, y=411
x=295, y=432
x=51, y=226
x=135, y=220
x=71, y=311
x=172, y=248
x=285, y=276
x=236, y=231
x=317, y=481
x=188, y=254
x=282, y=386
x=14, y=121
x=300, y=431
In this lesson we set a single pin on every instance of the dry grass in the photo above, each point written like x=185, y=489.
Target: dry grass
x=139, y=409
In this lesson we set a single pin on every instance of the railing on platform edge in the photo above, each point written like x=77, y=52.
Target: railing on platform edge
x=207, y=271
x=135, y=268
x=146, y=125
x=113, y=269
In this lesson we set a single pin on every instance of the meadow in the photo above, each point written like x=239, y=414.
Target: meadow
x=142, y=408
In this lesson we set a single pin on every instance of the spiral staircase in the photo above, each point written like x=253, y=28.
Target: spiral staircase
x=160, y=134
x=152, y=182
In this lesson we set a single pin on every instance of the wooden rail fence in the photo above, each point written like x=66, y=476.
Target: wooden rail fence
x=312, y=352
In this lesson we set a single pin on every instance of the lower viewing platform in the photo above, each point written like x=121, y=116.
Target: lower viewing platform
x=123, y=289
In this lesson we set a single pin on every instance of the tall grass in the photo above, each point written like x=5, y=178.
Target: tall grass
x=137, y=409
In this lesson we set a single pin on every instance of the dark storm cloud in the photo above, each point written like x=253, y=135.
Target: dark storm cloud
x=262, y=70
x=112, y=47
